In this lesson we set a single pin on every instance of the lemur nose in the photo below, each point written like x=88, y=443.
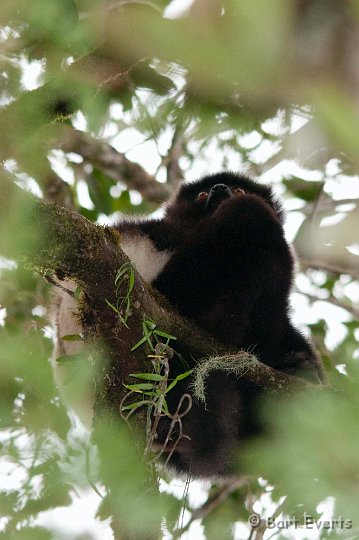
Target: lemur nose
x=219, y=187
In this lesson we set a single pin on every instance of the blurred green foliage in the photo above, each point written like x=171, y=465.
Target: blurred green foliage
x=266, y=86
x=316, y=438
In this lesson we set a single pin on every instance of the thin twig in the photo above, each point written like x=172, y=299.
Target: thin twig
x=49, y=279
x=159, y=405
x=177, y=419
x=213, y=502
x=335, y=301
x=328, y=267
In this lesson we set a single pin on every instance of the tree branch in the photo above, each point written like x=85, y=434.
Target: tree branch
x=215, y=500
x=91, y=255
x=335, y=301
x=110, y=161
x=246, y=366
x=328, y=266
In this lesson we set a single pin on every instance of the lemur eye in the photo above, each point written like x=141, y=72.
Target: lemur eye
x=238, y=191
x=202, y=196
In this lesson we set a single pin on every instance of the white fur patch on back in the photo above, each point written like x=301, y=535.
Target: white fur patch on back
x=147, y=259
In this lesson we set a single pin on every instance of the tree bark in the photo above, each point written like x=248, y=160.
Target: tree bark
x=73, y=247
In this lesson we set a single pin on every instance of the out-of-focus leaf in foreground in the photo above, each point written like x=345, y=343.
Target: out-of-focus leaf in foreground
x=312, y=446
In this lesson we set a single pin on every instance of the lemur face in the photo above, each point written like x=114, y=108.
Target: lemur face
x=198, y=200
x=210, y=200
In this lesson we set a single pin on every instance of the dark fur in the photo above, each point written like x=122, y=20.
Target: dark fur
x=231, y=271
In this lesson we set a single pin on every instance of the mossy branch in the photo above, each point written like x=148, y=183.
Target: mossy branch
x=75, y=248
x=247, y=366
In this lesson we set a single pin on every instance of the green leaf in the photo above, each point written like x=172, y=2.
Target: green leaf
x=178, y=378
x=99, y=185
x=72, y=337
x=147, y=376
x=132, y=281
x=184, y=375
x=139, y=387
x=150, y=324
x=112, y=306
x=148, y=334
x=67, y=358
x=163, y=334
x=172, y=385
x=126, y=267
x=139, y=343
x=303, y=189
x=123, y=321
x=136, y=405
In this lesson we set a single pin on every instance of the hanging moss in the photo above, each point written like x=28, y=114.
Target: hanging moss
x=237, y=365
